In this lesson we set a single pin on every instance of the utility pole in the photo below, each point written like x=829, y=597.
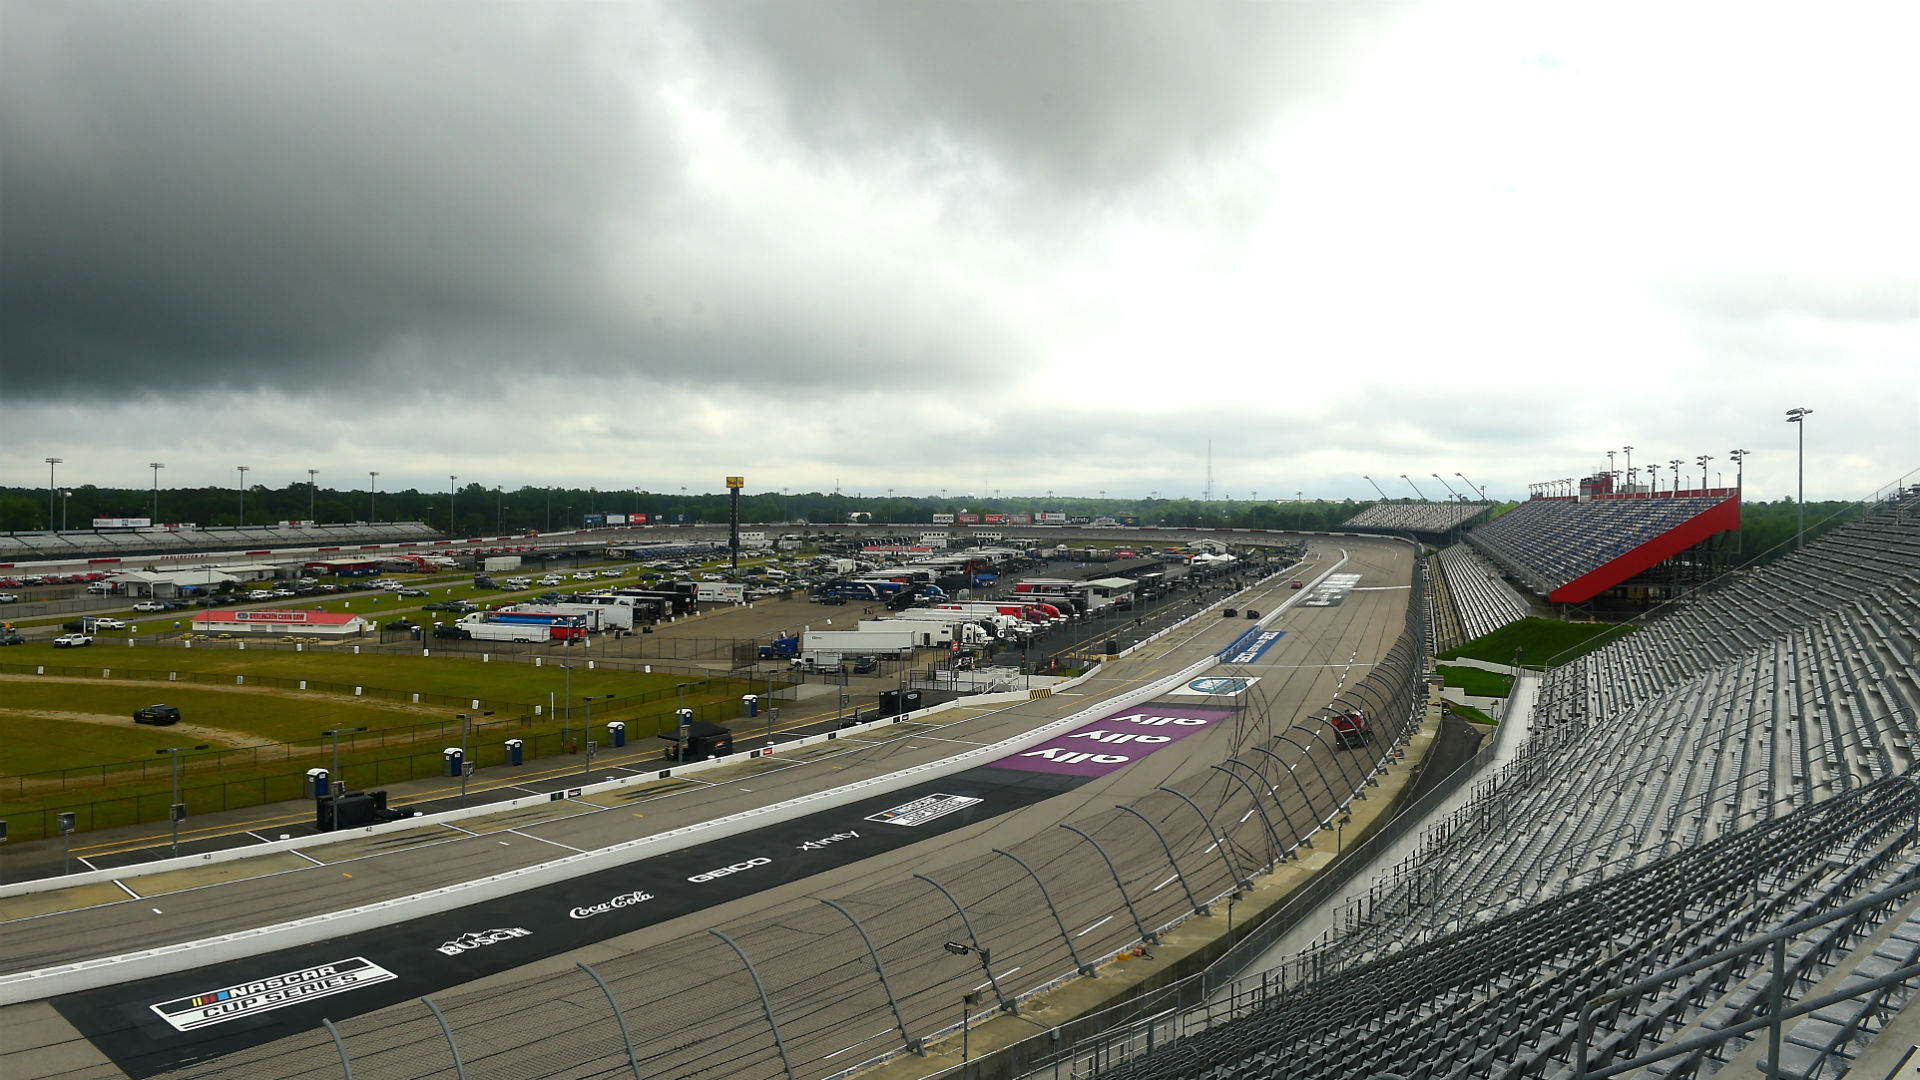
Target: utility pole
x=156, y=466
x=450, y=492
x=177, y=810
x=373, y=477
x=312, y=487
x=243, y=493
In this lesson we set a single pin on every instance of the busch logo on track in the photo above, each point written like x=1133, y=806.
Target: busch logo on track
x=471, y=940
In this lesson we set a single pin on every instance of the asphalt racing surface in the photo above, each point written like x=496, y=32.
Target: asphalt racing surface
x=158, y=1024
x=485, y=945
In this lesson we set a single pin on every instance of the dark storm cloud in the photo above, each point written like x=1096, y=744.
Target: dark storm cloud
x=274, y=194
x=1086, y=94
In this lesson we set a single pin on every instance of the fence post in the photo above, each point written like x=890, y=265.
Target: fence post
x=906, y=1038
x=764, y=1003
x=632, y=1058
x=1226, y=856
x=986, y=959
x=346, y=1066
x=1145, y=936
x=1085, y=969
x=1198, y=907
x=459, y=1067
x=1273, y=854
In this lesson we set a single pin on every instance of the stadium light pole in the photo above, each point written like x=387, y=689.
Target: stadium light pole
x=51, y=488
x=313, y=485
x=1609, y=465
x=1446, y=485
x=373, y=477
x=243, y=493
x=1798, y=417
x=1628, y=450
x=156, y=466
x=1675, y=462
x=1414, y=486
x=1702, y=462
x=500, y=508
x=1472, y=487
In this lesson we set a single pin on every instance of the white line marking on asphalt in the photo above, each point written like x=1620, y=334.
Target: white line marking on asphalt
x=1002, y=975
x=1094, y=927
x=1164, y=884
x=458, y=829
x=309, y=858
x=83, y=862
x=258, y=837
x=124, y=889
x=544, y=840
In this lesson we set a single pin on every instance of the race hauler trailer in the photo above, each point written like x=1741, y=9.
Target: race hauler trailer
x=824, y=648
x=960, y=624
x=497, y=564
x=600, y=616
x=720, y=592
x=928, y=634
x=522, y=626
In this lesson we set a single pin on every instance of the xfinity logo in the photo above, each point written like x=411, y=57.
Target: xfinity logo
x=816, y=845
x=470, y=941
x=604, y=906
x=699, y=879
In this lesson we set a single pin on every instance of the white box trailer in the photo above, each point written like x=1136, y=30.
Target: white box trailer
x=925, y=634
x=496, y=563
x=720, y=592
x=856, y=642
x=957, y=622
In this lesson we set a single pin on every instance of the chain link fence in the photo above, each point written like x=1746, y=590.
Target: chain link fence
x=827, y=987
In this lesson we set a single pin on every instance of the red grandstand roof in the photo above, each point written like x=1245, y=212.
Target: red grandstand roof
x=1721, y=517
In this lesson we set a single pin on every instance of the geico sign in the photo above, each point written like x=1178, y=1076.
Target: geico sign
x=725, y=870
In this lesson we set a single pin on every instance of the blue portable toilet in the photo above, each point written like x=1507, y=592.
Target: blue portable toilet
x=616, y=733
x=514, y=752
x=317, y=783
x=752, y=702
x=456, y=760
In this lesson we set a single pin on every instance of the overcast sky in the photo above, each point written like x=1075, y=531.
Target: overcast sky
x=1011, y=246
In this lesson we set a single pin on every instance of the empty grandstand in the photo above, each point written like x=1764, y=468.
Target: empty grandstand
x=71, y=546
x=1706, y=855
x=1481, y=600
x=1570, y=549
x=1418, y=517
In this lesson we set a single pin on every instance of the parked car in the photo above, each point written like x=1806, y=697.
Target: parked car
x=583, y=575
x=865, y=665
x=403, y=624
x=448, y=630
x=8, y=598
x=611, y=572
x=109, y=624
x=149, y=605
x=415, y=592
x=70, y=641
x=11, y=637
x=159, y=715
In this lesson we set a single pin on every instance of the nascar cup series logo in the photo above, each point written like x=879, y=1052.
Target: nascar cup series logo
x=272, y=992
